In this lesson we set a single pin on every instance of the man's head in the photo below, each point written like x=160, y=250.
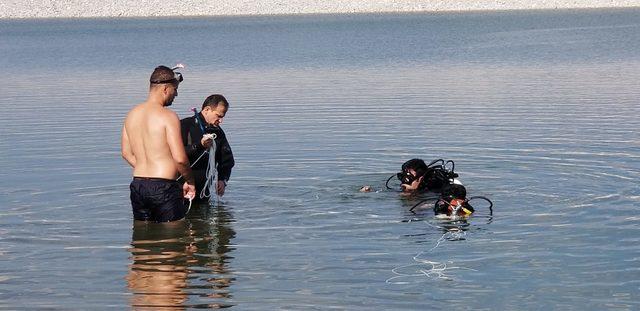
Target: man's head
x=412, y=175
x=164, y=83
x=214, y=109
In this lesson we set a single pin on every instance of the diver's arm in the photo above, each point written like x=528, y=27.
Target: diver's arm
x=224, y=157
x=126, y=151
x=192, y=146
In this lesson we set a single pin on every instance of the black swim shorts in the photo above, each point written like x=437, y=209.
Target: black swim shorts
x=156, y=199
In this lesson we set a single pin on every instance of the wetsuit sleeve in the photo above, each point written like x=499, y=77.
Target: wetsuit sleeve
x=192, y=145
x=224, y=158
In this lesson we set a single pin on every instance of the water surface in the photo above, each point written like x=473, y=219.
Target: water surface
x=537, y=109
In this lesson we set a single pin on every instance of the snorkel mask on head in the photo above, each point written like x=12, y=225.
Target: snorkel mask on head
x=177, y=77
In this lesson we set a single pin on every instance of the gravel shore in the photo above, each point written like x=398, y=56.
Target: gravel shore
x=148, y=8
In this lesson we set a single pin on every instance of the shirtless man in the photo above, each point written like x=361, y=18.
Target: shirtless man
x=152, y=145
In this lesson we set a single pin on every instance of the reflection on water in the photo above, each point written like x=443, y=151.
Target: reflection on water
x=182, y=264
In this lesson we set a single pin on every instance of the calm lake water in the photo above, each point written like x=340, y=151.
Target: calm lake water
x=539, y=111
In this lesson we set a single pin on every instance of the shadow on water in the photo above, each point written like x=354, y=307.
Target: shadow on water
x=183, y=264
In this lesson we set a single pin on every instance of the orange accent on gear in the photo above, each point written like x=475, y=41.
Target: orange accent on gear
x=455, y=203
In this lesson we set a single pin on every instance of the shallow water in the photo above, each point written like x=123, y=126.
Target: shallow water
x=537, y=109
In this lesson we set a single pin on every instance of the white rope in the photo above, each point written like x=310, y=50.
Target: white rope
x=210, y=185
x=194, y=163
x=212, y=169
x=189, y=208
x=436, y=270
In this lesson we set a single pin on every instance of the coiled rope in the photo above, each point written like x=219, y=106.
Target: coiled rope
x=210, y=185
x=211, y=173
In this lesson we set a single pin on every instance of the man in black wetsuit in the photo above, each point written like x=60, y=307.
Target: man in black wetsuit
x=208, y=121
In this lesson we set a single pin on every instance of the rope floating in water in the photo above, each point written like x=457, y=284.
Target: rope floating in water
x=437, y=270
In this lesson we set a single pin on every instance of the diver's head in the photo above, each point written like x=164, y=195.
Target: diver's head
x=454, y=191
x=164, y=81
x=412, y=175
x=453, y=201
x=214, y=109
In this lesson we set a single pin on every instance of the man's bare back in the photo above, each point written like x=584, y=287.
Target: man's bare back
x=152, y=145
x=149, y=130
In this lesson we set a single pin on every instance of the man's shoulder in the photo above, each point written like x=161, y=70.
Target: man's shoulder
x=136, y=108
x=135, y=111
x=167, y=113
x=159, y=115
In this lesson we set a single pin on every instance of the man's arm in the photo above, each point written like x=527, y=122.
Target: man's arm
x=176, y=148
x=125, y=147
x=224, y=158
x=191, y=143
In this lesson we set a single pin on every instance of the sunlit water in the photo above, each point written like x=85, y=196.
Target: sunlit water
x=539, y=111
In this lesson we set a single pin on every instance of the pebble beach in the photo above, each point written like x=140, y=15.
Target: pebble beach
x=21, y=9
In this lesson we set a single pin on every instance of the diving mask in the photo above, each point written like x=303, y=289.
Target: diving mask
x=406, y=178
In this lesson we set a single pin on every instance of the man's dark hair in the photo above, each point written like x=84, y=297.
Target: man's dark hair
x=214, y=100
x=454, y=191
x=161, y=75
x=417, y=165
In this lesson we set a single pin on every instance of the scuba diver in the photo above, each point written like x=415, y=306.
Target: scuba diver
x=199, y=133
x=439, y=177
x=418, y=176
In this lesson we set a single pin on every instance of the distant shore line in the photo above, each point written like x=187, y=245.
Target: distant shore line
x=20, y=9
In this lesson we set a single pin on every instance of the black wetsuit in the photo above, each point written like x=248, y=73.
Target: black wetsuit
x=191, y=137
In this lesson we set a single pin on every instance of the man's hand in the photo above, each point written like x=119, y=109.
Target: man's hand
x=188, y=191
x=220, y=187
x=206, y=142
